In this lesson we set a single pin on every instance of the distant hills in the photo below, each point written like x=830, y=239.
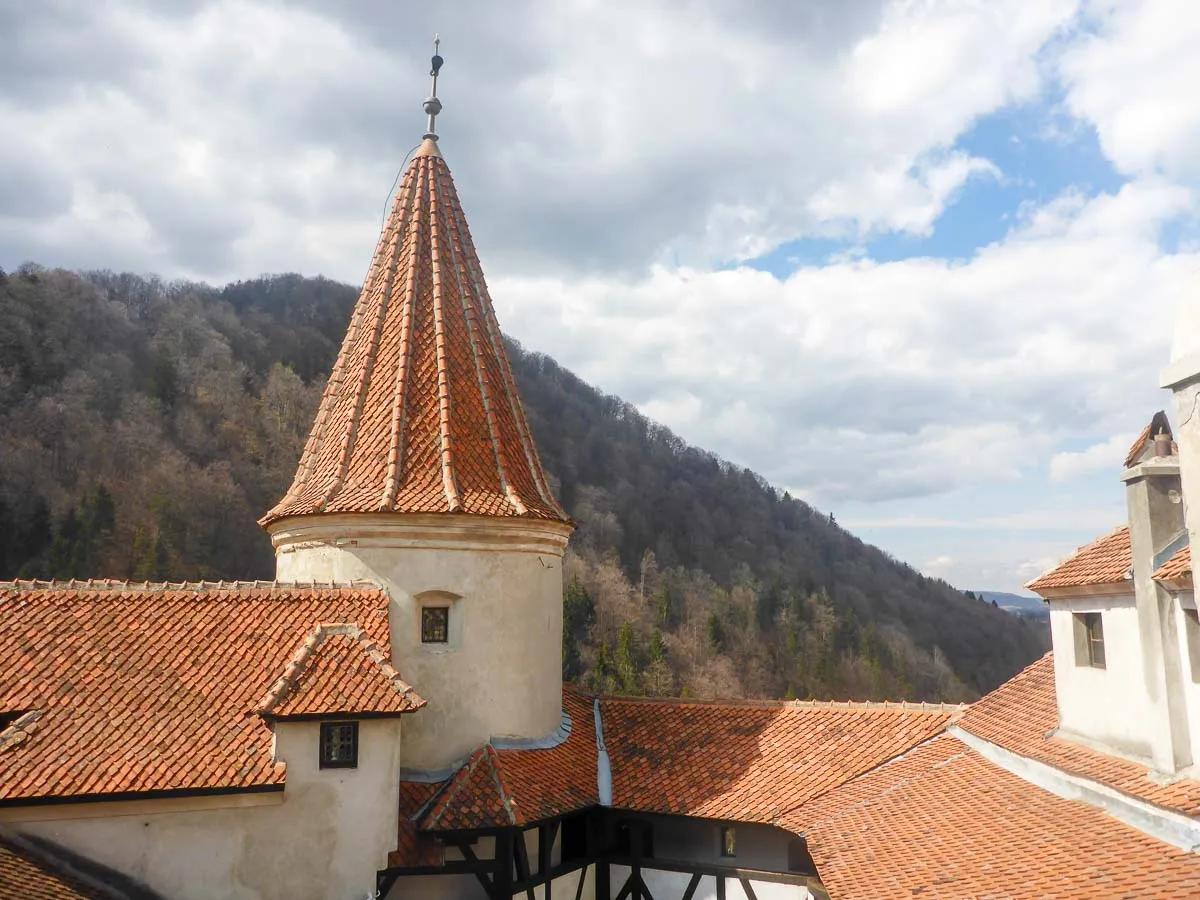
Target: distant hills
x=1018, y=604
x=145, y=426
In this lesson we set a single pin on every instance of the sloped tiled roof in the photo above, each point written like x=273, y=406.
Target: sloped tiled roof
x=412, y=847
x=35, y=869
x=1177, y=567
x=1144, y=444
x=421, y=412
x=751, y=762
x=942, y=823
x=1020, y=714
x=499, y=787
x=154, y=687
x=339, y=670
x=1106, y=560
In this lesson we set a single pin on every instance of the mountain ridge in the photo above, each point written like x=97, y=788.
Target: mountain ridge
x=147, y=425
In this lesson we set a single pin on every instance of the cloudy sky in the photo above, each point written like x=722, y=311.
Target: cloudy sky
x=915, y=260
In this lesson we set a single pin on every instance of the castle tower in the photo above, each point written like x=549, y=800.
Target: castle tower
x=421, y=474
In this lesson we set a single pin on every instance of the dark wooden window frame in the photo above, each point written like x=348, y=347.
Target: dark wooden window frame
x=435, y=624
x=1089, y=640
x=331, y=733
x=728, y=842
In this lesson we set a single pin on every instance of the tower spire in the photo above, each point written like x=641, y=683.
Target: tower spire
x=433, y=105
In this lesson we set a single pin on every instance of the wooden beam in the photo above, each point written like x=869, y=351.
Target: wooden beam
x=674, y=865
x=627, y=887
x=691, y=888
x=465, y=850
x=555, y=872
x=748, y=889
x=720, y=887
x=579, y=886
x=503, y=879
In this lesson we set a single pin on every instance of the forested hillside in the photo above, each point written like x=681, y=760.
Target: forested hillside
x=144, y=427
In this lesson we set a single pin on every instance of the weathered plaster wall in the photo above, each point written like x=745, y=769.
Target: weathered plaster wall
x=1190, y=677
x=501, y=673
x=325, y=841
x=1106, y=706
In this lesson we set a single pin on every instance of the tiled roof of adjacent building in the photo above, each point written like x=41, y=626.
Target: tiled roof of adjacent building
x=1106, y=560
x=498, y=787
x=1177, y=567
x=126, y=688
x=421, y=412
x=943, y=823
x=1144, y=444
x=751, y=761
x=337, y=670
x=1022, y=716
x=36, y=869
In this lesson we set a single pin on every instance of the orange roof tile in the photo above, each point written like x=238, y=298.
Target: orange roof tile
x=1177, y=567
x=29, y=872
x=498, y=787
x=1020, y=713
x=412, y=847
x=154, y=687
x=751, y=762
x=339, y=670
x=421, y=413
x=1106, y=560
x=1159, y=423
x=943, y=823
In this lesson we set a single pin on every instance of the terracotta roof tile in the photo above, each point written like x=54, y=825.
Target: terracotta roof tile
x=339, y=670
x=412, y=847
x=1144, y=444
x=421, y=412
x=1106, y=560
x=34, y=869
x=154, y=687
x=942, y=823
x=751, y=762
x=1177, y=567
x=1021, y=713
x=23, y=878
x=504, y=787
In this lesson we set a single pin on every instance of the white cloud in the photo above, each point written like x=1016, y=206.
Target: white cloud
x=867, y=380
x=1134, y=76
x=938, y=567
x=1108, y=454
x=253, y=136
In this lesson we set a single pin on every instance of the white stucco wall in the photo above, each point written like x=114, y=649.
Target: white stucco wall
x=325, y=841
x=1108, y=706
x=501, y=674
x=673, y=884
x=1191, y=681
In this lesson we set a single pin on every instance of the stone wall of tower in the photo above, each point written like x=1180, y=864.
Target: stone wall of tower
x=500, y=672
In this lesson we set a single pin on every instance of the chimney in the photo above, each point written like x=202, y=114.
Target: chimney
x=1157, y=528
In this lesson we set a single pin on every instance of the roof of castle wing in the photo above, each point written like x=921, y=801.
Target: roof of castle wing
x=421, y=412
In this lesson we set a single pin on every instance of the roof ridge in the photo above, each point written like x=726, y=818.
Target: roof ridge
x=289, y=682
x=846, y=705
x=114, y=584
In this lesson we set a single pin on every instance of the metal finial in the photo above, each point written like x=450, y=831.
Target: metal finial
x=433, y=105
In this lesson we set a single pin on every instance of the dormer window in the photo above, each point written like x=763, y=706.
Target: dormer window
x=339, y=745
x=435, y=624
x=1089, y=640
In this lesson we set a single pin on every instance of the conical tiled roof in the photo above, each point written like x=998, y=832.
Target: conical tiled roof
x=421, y=413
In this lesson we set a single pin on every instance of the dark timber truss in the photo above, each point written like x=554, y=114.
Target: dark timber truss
x=599, y=838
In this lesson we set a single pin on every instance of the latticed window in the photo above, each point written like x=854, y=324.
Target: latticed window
x=1089, y=640
x=728, y=841
x=435, y=624
x=339, y=745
